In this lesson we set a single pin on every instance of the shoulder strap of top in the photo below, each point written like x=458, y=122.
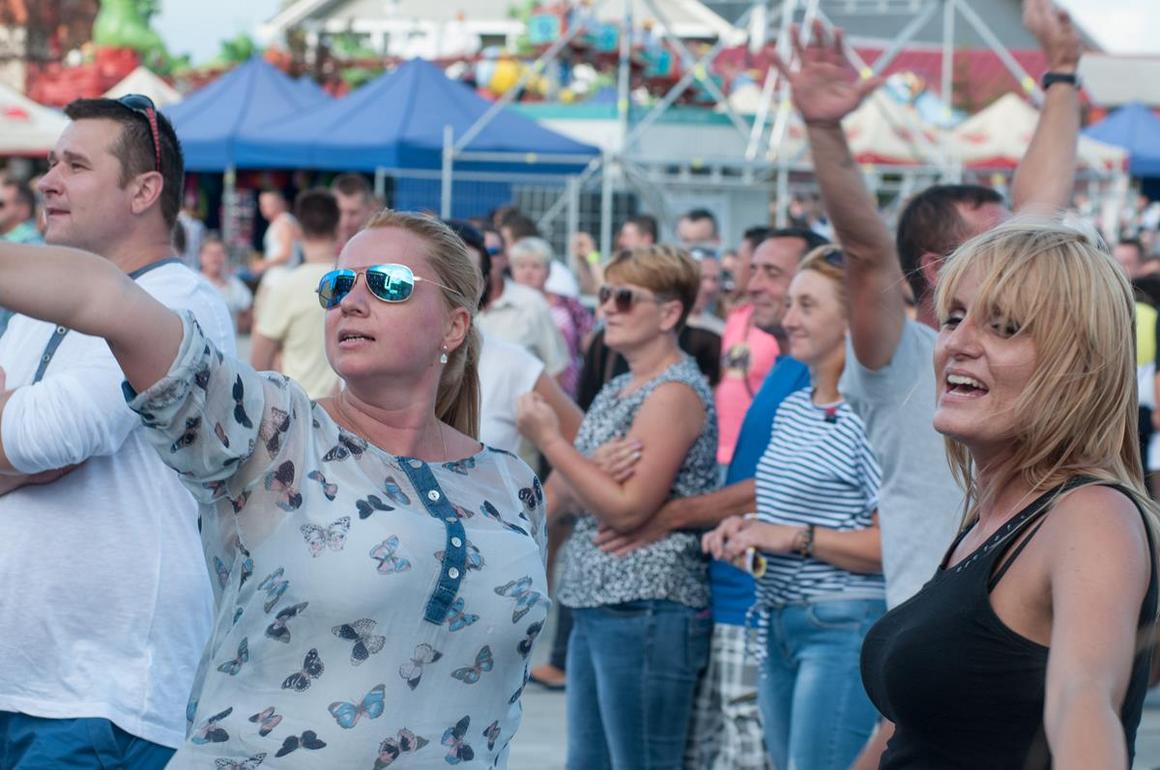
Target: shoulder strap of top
x=1032, y=514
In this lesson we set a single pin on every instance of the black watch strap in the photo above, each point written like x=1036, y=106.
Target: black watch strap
x=1051, y=78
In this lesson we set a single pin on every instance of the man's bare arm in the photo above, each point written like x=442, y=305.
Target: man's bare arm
x=825, y=90
x=1045, y=179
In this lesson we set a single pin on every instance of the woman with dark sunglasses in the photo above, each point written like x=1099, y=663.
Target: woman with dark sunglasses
x=641, y=631
x=379, y=574
x=813, y=543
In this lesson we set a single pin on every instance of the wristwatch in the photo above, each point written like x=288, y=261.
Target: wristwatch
x=1051, y=78
x=805, y=546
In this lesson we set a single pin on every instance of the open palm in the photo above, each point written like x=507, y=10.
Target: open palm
x=825, y=89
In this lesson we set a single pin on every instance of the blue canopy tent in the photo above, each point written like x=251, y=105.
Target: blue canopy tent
x=1137, y=129
x=398, y=122
x=209, y=120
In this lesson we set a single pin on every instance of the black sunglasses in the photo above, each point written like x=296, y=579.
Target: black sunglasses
x=623, y=298
x=143, y=105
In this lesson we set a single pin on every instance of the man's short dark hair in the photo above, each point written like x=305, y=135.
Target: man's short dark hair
x=1134, y=243
x=700, y=215
x=646, y=224
x=24, y=194
x=351, y=185
x=134, y=148
x=317, y=212
x=756, y=234
x=474, y=239
x=811, y=239
x=520, y=227
x=931, y=223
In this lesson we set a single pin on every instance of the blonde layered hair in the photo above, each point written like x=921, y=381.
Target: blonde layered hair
x=1077, y=414
x=457, y=400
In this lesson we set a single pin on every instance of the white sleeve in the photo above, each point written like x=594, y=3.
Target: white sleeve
x=77, y=413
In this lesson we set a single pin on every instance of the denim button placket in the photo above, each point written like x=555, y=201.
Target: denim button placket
x=455, y=553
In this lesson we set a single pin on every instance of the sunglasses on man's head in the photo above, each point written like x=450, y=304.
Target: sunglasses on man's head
x=623, y=298
x=389, y=282
x=143, y=105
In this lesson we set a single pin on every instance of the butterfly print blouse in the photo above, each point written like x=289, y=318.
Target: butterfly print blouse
x=370, y=609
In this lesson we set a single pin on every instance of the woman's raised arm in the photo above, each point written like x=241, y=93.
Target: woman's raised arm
x=88, y=294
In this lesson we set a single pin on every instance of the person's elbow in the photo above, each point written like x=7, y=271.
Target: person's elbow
x=624, y=516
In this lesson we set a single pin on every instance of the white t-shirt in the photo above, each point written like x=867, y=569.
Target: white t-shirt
x=506, y=372
x=105, y=599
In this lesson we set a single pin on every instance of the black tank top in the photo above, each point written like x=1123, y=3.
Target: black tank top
x=963, y=689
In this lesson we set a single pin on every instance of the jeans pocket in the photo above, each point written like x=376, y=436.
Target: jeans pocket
x=637, y=609
x=837, y=615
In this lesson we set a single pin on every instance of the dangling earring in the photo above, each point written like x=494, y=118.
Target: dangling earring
x=443, y=355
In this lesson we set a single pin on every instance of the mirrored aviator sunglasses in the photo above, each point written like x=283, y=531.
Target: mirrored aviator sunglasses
x=389, y=283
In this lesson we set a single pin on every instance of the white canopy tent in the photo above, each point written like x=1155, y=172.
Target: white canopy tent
x=143, y=81
x=27, y=128
x=997, y=138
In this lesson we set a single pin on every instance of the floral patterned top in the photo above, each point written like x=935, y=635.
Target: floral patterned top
x=369, y=608
x=673, y=567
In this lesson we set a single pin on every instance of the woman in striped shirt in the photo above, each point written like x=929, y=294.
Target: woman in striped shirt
x=815, y=543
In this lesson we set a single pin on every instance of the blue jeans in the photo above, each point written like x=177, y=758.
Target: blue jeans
x=632, y=670
x=815, y=713
x=35, y=743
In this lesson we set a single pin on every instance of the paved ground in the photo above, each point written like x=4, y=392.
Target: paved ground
x=540, y=743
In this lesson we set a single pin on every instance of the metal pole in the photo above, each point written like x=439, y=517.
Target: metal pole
x=948, y=53
x=783, y=195
x=781, y=119
x=445, y=176
x=606, y=208
x=904, y=37
x=572, y=190
x=381, y=183
x=623, y=75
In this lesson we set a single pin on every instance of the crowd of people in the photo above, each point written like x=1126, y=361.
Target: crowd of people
x=340, y=553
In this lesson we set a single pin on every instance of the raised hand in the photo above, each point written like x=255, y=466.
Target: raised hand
x=1056, y=34
x=825, y=89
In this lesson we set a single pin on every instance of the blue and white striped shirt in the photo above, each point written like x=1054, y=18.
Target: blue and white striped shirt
x=818, y=469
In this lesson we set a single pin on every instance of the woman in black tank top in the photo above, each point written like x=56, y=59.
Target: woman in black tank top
x=1029, y=648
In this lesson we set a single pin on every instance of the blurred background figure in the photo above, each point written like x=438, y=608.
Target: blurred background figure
x=18, y=213
x=290, y=321
x=356, y=204
x=192, y=231
x=531, y=259
x=698, y=227
x=215, y=268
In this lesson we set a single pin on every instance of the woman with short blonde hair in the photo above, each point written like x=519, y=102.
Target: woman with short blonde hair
x=641, y=631
x=1029, y=646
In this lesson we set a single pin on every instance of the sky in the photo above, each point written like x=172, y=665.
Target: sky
x=196, y=26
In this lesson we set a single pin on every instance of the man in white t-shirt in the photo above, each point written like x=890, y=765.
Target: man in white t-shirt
x=105, y=599
x=291, y=320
